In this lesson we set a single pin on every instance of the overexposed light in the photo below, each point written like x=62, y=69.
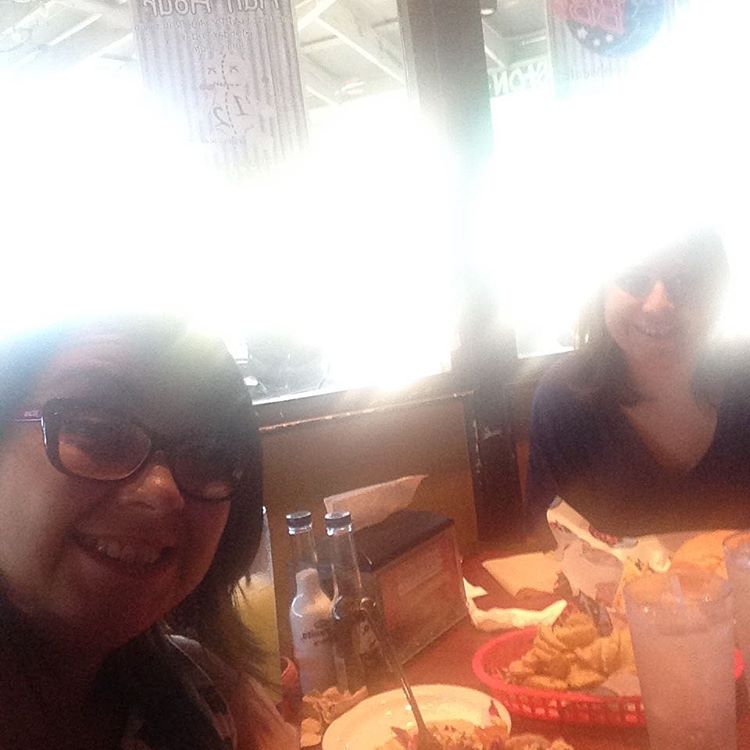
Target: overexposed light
x=357, y=241
x=114, y=210
x=584, y=185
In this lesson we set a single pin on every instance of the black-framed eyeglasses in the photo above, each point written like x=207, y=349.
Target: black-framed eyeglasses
x=681, y=286
x=87, y=441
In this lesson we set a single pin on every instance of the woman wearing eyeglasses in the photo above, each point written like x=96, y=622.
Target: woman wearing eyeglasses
x=130, y=505
x=645, y=429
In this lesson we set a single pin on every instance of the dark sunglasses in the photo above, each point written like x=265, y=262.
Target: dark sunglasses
x=84, y=440
x=682, y=286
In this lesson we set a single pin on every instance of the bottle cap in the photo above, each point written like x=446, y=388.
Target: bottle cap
x=300, y=519
x=339, y=519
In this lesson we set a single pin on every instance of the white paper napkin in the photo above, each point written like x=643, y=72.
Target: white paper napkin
x=499, y=618
x=370, y=505
x=535, y=570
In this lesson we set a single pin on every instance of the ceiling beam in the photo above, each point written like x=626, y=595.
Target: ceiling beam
x=318, y=83
x=74, y=29
x=89, y=42
x=363, y=39
x=329, y=42
x=306, y=17
x=319, y=45
x=17, y=17
x=122, y=50
x=118, y=16
x=497, y=48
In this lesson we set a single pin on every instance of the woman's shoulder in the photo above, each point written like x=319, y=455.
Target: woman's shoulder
x=560, y=389
x=239, y=705
x=210, y=681
x=258, y=720
x=199, y=662
x=728, y=370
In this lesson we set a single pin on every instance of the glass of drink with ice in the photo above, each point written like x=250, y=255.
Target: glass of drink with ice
x=681, y=624
x=737, y=556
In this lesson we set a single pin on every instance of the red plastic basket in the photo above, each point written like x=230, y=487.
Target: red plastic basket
x=550, y=705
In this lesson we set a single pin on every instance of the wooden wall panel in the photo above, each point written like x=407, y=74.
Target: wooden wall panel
x=308, y=461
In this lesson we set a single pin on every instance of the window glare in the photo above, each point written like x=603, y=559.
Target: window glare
x=342, y=262
x=582, y=185
x=345, y=250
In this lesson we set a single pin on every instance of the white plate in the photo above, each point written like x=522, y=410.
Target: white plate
x=368, y=724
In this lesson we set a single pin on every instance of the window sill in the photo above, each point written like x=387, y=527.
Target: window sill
x=293, y=411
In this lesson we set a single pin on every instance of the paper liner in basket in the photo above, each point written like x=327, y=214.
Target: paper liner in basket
x=502, y=618
x=596, y=565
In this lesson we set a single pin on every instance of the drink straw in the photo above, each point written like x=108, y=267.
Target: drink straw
x=676, y=589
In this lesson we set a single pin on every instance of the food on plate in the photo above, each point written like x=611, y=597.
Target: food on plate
x=451, y=735
x=704, y=551
x=461, y=735
x=320, y=709
x=572, y=656
x=535, y=742
x=455, y=734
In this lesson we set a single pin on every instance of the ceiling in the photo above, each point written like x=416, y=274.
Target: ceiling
x=349, y=48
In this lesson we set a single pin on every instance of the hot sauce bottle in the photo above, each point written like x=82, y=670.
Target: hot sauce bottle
x=357, y=656
x=310, y=609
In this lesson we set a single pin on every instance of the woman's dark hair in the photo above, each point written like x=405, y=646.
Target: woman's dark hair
x=599, y=371
x=207, y=615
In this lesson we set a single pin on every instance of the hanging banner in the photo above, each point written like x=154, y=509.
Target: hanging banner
x=592, y=40
x=230, y=68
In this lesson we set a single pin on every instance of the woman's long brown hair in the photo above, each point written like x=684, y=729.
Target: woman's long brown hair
x=144, y=666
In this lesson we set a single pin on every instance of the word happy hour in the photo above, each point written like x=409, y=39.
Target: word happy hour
x=184, y=7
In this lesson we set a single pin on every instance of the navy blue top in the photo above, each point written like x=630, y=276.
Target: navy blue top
x=597, y=462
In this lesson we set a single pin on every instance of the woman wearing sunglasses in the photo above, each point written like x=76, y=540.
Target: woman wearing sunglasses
x=130, y=505
x=644, y=429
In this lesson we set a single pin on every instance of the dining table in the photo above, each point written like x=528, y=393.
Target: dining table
x=448, y=659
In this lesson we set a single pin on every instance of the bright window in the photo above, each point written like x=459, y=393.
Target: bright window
x=581, y=183
x=339, y=270
x=331, y=273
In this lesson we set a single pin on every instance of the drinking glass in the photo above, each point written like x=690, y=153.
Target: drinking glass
x=737, y=557
x=255, y=600
x=681, y=624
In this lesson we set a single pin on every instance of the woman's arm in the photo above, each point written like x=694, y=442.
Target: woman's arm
x=253, y=718
x=259, y=724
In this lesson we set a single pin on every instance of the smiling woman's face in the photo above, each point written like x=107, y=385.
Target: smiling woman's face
x=659, y=314
x=98, y=562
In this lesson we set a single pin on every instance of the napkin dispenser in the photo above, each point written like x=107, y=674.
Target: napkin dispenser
x=410, y=563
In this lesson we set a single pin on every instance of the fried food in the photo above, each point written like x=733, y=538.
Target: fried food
x=544, y=682
x=535, y=742
x=572, y=656
x=581, y=678
x=578, y=634
x=704, y=551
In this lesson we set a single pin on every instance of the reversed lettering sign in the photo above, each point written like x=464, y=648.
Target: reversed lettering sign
x=522, y=77
x=230, y=68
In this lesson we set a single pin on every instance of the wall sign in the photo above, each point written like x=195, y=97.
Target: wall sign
x=611, y=27
x=524, y=76
x=230, y=68
x=596, y=39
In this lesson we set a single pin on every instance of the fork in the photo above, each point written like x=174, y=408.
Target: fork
x=425, y=739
